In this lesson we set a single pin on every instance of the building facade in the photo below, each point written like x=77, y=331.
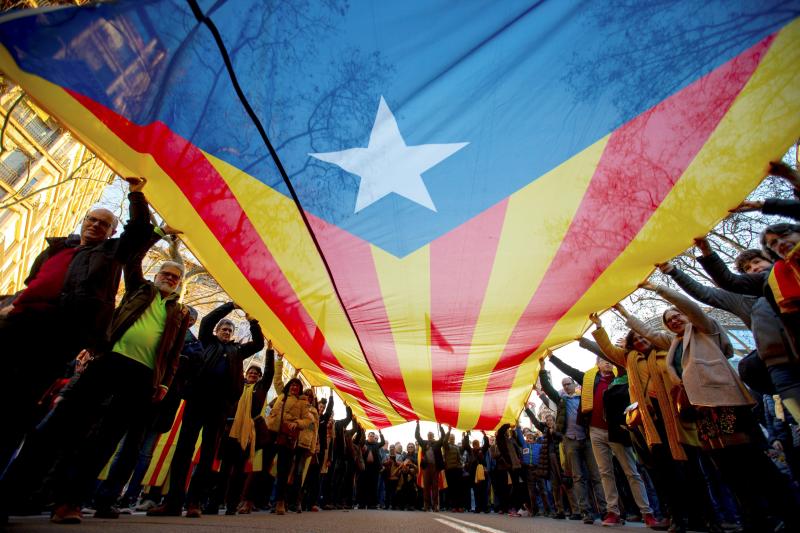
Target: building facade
x=48, y=181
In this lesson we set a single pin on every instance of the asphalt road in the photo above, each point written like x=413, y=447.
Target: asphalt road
x=323, y=522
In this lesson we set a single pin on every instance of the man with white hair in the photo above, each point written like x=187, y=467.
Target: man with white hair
x=133, y=369
x=66, y=307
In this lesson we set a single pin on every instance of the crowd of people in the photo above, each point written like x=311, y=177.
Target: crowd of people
x=662, y=429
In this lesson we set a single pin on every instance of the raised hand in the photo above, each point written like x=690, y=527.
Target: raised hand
x=703, y=245
x=595, y=320
x=169, y=230
x=646, y=285
x=782, y=170
x=748, y=206
x=619, y=308
x=665, y=268
x=135, y=184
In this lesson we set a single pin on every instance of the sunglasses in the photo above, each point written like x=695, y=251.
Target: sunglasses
x=105, y=224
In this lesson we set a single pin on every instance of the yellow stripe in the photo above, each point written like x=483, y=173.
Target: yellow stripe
x=405, y=286
x=276, y=219
x=535, y=224
x=763, y=120
x=170, y=202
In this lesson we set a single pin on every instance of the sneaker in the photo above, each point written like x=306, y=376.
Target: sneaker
x=314, y=509
x=109, y=512
x=514, y=513
x=66, y=514
x=611, y=520
x=588, y=519
x=193, y=511
x=651, y=522
x=575, y=516
x=230, y=511
x=145, y=506
x=164, y=510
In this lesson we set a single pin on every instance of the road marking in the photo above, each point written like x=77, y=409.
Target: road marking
x=467, y=527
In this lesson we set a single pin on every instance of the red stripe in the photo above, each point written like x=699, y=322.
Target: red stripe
x=216, y=204
x=640, y=165
x=461, y=263
x=173, y=433
x=353, y=268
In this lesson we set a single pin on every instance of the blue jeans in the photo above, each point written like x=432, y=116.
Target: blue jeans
x=585, y=474
x=786, y=378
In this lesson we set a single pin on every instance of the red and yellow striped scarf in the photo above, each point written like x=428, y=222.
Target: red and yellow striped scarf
x=784, y=281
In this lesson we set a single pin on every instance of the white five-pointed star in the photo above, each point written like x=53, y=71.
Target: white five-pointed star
x=388, y=165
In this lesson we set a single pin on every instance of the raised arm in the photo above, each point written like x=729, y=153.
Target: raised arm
x=660, y=339
x=209, y=322
x=572, y=372
x=132, y=269
x=538, y=424
x=713, y=296
x=547, y=387
x=135, y=238
x=752, y=284
x=277, y=379
x=418, y=436
x=612, y=353
x=591, y=346
x=328, y=410
x=269, y=365
x=780, y=207
x=520, y=436
x=256, y=343
x=383, y=441
x=687, y=306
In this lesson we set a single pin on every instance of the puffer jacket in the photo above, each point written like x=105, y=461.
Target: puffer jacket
x=309, y=436
x=294, y=409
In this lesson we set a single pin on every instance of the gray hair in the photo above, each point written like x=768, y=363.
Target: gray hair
x=172, y=264
x=114, y=218
x=223, y=322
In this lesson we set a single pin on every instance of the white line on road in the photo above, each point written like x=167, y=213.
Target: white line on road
x=471, y=528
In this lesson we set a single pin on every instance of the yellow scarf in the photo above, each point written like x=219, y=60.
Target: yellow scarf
x=243, y=428
x=587, y=388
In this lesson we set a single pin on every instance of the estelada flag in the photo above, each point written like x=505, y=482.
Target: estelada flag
x=416, y=198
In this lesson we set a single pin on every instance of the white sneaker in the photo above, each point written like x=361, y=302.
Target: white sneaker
x=146, y=505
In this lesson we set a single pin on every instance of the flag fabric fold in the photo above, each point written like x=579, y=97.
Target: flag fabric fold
x=471, y=179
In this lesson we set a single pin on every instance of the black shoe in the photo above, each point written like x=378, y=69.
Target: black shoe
x=210, y=509
x=575, y=516
x=110, y=512
x=559, y=516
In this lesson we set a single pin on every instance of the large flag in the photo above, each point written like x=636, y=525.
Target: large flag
x=449, y=187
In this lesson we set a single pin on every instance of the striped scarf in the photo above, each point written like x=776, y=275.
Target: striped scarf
x=639, y=393
x=784, y=281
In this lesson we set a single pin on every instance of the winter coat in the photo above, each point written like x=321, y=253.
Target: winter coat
x=233, y=352
x=90, y=286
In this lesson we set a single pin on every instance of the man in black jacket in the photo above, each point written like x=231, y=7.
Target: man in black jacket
x=432, y=463
x=212, y=397
x=70, y=291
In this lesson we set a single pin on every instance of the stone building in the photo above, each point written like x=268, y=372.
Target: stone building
x=48, y=180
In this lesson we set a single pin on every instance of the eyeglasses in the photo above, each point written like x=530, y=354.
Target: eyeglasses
x=105, y=224
x=229, y=330
x=170, y=275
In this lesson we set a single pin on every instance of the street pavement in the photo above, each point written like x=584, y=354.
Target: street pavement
x=323, y=522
